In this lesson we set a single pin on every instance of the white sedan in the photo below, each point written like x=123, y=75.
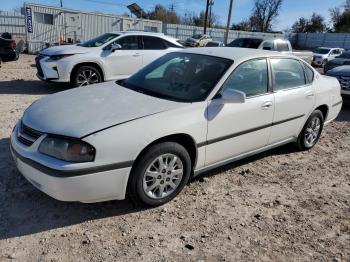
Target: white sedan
x=106, y=57
x=183, y=114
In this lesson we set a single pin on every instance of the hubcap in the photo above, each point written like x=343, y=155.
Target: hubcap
x=87, y=77
x=312, y=131
x=163, y=176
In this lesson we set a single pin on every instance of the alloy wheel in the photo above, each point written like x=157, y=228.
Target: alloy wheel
x=87, y=77
x=163, y=176
x=312, y=131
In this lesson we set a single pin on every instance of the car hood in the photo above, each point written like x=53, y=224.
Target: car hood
x=82, y=111
x=340, y=71
x=321, y=55
x=66, y=50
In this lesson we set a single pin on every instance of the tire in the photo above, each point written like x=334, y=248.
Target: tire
x=86, y=75
x=311, y=132
x=149, y=185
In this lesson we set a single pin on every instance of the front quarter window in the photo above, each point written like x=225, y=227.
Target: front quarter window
x=183, y=77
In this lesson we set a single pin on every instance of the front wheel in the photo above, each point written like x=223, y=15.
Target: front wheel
x=86, y=75
x=160, y=174
x=311, y=132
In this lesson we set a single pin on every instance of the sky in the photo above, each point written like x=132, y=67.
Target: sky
x=291, y=9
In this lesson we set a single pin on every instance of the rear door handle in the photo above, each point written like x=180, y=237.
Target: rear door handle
x=136, y=54
x=309, y=94
x=266, y=105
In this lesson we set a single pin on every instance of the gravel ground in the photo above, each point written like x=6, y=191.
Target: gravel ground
x=281, y=205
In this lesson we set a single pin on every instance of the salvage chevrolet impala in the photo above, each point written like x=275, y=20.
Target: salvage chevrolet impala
x=185, y=113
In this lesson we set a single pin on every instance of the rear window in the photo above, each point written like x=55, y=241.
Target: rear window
x=246, y=43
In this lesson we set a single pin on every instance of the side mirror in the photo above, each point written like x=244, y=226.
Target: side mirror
x=232, y=96
x=112, y=47
x=267, y=48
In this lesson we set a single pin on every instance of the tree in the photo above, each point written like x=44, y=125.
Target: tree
x=244, y=25
x=198, y=20
x=316, y=24
x=341, y=19
x=264, y=14
x=163, y=14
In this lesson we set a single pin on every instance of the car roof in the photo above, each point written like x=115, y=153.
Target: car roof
x=234, y=53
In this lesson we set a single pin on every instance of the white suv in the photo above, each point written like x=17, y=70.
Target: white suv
x=106, y=57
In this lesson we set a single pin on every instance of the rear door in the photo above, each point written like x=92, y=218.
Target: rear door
x=294, y=98
x=124, y=61
x=153, y=48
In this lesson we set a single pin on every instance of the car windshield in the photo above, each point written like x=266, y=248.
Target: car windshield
x=322, y=51
x=98, y=41
x=345, y=55
x=197, y=36
x=246, y=43
x=182, y=77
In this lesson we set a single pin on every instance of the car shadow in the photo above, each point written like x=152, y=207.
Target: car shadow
x=344, y=115
x=31, y=87
x=25, y=210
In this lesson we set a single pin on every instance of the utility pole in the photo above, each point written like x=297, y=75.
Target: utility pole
x=206, y=17
x=210, y=6
x=61, y=3
x=228, y=22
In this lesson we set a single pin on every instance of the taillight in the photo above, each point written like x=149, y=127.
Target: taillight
x=13, y=44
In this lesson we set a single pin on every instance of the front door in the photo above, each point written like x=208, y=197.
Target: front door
x=237, y=128
x=125, y=61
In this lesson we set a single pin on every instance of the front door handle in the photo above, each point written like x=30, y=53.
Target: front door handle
x=136, y=54
x=266, y=105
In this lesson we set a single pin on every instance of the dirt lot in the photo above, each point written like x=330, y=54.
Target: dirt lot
x=282, y=205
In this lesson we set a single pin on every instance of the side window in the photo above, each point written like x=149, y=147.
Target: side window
x=251, y=77
x=282, y=47
x=309, y=74
x=268, y=45
x=288, y=73
x=153, y=43
x=129, y=42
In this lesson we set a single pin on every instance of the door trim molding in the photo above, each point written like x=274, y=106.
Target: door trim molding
x=222, y=138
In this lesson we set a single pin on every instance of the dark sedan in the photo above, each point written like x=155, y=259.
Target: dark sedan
x=342, y=73
x=343, y=59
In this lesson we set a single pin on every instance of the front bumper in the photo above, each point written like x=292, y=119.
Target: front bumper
x=88, y=187
x=52, y=71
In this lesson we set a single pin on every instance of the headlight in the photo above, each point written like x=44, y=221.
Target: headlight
x=72, y=150
x=56, y=57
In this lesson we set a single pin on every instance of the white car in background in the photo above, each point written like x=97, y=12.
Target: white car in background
x=198, y=40
x=106, y=57
x=322, y=55
x=183, y=114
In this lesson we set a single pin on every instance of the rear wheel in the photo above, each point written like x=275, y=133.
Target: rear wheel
x=160, y=174
x=311, y=132
x=86, y=75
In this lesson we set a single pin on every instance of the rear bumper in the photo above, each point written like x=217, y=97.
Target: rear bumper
x=9, y=56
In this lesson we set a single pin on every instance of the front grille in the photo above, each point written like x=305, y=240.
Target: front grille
x=27, y=135
x=38, y=66
x=344, y=82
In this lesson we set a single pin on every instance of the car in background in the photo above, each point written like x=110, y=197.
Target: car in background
x=279, y=45
x=343, y=59
x=198, y=40
x=342, y=73
x=8, y=50
x=322, y=55
x=185, y=113
x=106, y=57
x=215, y=44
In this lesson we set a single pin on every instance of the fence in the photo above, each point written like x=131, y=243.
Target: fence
x=310, y=41
x=184, y=31
x=12, y=22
